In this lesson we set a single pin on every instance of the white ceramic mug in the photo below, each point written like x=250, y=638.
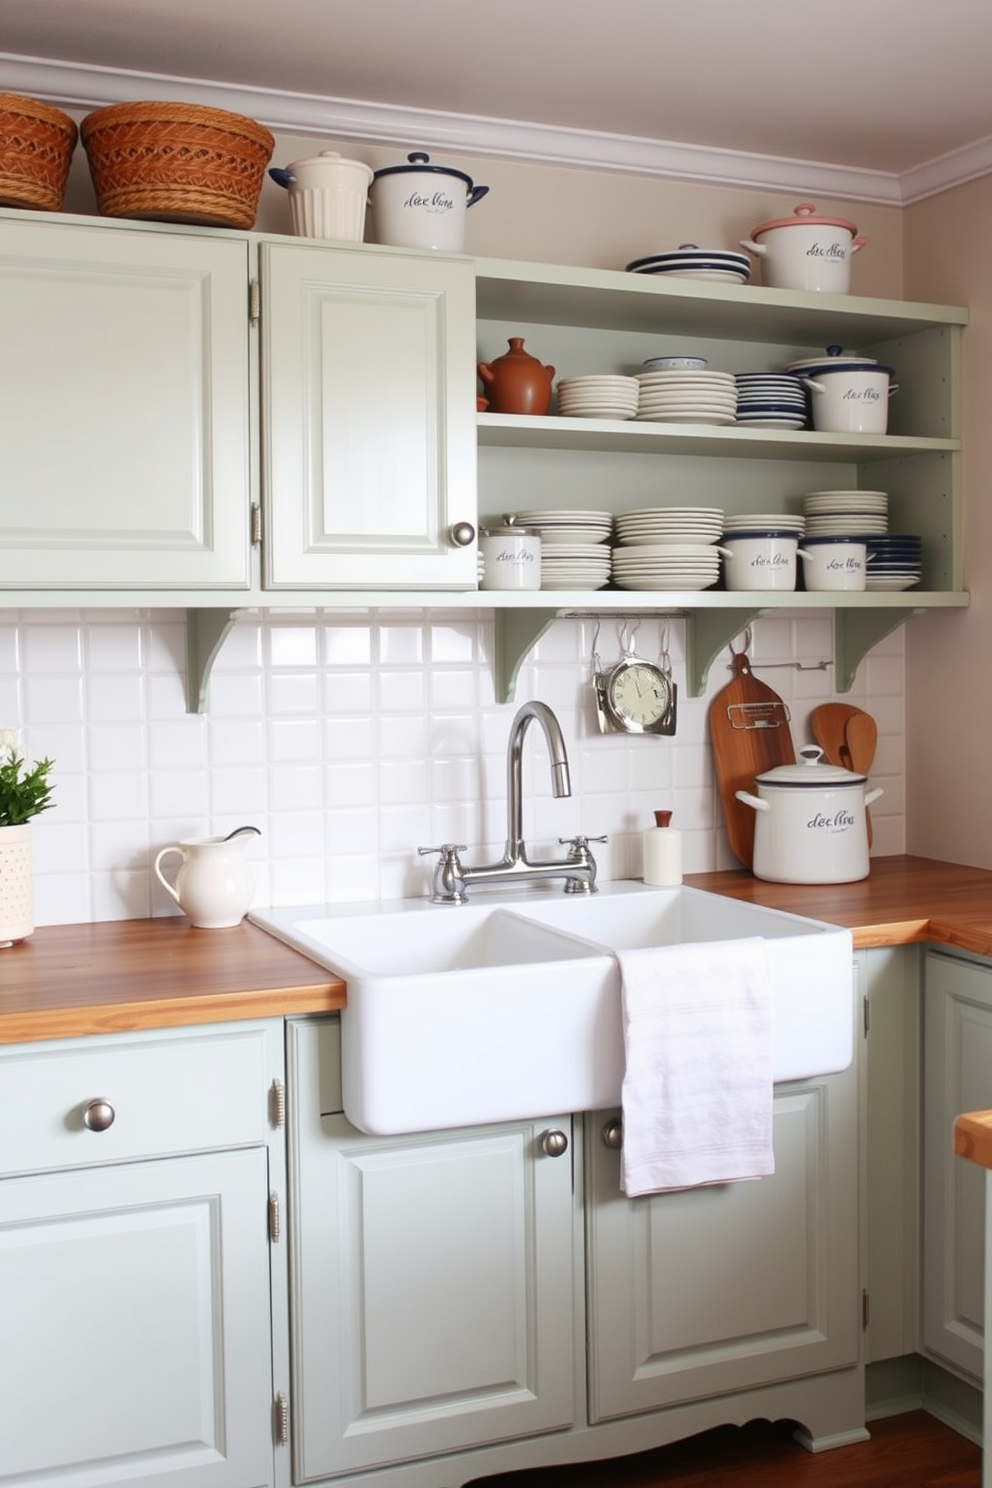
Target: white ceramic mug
x=214, y=885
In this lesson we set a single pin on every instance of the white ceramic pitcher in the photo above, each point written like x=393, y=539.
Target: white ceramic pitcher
x=213, y=885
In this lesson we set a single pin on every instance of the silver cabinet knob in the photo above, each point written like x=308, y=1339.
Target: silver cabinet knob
x=613, y=1133
x=554, y=1143
x=98, y=1114
x=462, y=534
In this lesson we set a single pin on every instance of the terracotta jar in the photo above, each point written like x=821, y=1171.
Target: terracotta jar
x=516, y=382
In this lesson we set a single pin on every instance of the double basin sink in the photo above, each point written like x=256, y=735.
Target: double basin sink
x=510, y=1007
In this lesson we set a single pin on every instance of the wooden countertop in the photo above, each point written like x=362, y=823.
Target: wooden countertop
x=115, y=976
x=904, y=899
x=120, y=975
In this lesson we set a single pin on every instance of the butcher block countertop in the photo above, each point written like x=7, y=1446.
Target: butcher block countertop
x=116, y=976
x=120, y=975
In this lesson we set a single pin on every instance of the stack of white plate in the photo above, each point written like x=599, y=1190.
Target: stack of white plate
x=690, y=262
x=672, y=524
x=783, y=523
x=687, y=395
x=667, y=566
x=575, y=566
x=771, y=400
x=843, y=513
x=603, y=396
x=567, y=527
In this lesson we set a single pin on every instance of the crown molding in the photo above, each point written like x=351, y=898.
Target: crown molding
x=69, y=85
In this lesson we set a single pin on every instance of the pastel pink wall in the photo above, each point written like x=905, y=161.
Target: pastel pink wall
x=947, y=259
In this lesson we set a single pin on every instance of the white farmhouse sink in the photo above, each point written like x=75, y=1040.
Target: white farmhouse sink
x=511, y=1008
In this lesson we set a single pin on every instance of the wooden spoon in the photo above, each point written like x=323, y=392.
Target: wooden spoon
x=828, y=722
x=860, y=739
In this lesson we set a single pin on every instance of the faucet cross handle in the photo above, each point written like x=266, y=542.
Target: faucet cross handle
x=580, y=843
x=449, y=879
x=581, y=858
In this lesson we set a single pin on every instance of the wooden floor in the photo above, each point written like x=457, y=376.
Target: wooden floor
x=907, y=1451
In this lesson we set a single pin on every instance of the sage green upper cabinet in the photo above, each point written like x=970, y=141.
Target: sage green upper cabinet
x=368, y=377
x=124, y=408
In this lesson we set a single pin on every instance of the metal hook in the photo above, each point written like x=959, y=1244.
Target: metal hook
x=746, y=646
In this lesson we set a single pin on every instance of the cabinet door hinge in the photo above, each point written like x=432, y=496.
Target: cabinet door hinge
x=256, y=524
x=865, y=1017
x=864, y=1309
x=277, y=1104
x=254, y=303
x=275, y=1218
x=281, y=1421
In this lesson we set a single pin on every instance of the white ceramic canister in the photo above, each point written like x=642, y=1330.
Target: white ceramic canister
x=759, y=560
x=328, y=196
x=806, y=251
x=511, y=557
x=420, y=205
x=850, y=398
x=834, y=562
x=214, y=885
x=662, y=852
x=810, y=824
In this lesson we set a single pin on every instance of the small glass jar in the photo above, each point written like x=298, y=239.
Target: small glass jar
x=511, y=557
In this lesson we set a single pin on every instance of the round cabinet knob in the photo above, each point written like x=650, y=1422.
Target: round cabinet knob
x=98, y=1115
x=554, y=1143
x=462, y=534
x=613, y=1134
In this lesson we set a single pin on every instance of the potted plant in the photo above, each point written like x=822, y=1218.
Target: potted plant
x=25, y=791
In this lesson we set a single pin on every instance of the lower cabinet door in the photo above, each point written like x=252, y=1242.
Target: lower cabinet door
x=710, y=1290
x=134, y=1302
x=432, y=1292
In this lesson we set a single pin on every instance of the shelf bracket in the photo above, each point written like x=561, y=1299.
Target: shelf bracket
x=515, y=632
x=855, y=632
x=206, y=632
x=707, y=632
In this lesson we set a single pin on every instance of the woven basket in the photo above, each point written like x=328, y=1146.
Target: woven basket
x=36, y=145
x=176, y=162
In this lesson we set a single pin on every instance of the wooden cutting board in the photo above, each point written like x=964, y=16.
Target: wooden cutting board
x=749, y=731
x=847, y=736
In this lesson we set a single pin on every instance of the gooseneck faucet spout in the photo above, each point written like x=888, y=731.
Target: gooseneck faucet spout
x=561, y=784
x=578, y=868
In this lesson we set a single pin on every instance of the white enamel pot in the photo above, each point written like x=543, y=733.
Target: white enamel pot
x=811, y=823
x=420, y=205
x=759, y=560
x=834, y=562
x=851, y=399
x=806, y=251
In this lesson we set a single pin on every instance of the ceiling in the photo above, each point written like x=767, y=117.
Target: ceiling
x=884, y=87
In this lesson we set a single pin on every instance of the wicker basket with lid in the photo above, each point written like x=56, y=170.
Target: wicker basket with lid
x=36, y=145
x=176, y=162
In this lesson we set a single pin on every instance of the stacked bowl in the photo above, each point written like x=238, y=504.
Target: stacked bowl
x=772, y=400
x=687, y=395
x=668, y=548
x=605, y=395
x=690, y=262
x=895, y=562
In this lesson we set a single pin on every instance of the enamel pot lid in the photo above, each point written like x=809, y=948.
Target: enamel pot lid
x=811, y=773
x=805, y=215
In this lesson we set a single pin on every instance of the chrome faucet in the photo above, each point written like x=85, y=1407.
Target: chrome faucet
x=578, y=868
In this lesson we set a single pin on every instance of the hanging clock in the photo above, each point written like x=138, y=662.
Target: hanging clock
x=635, y=697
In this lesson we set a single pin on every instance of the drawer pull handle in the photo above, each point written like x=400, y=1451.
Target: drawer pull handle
x=98, y=1115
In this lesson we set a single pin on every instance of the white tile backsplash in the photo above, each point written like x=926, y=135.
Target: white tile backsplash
x=351, y=738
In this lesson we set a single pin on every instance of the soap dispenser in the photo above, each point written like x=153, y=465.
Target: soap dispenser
x=662, y=859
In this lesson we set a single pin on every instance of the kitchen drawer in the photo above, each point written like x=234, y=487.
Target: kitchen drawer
x=171, y=1091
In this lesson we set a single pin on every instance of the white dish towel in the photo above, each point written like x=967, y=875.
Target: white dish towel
x=697, y=1089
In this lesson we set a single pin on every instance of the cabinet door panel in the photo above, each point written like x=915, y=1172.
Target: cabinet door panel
x=370, y=425
x=135, y=1306
x=722, y=1288
x=432, y=1294
x=958, y=1077
x=124, y=441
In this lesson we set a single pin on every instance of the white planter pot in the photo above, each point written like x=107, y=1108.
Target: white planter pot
x=16, y=884
x=328, y=196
